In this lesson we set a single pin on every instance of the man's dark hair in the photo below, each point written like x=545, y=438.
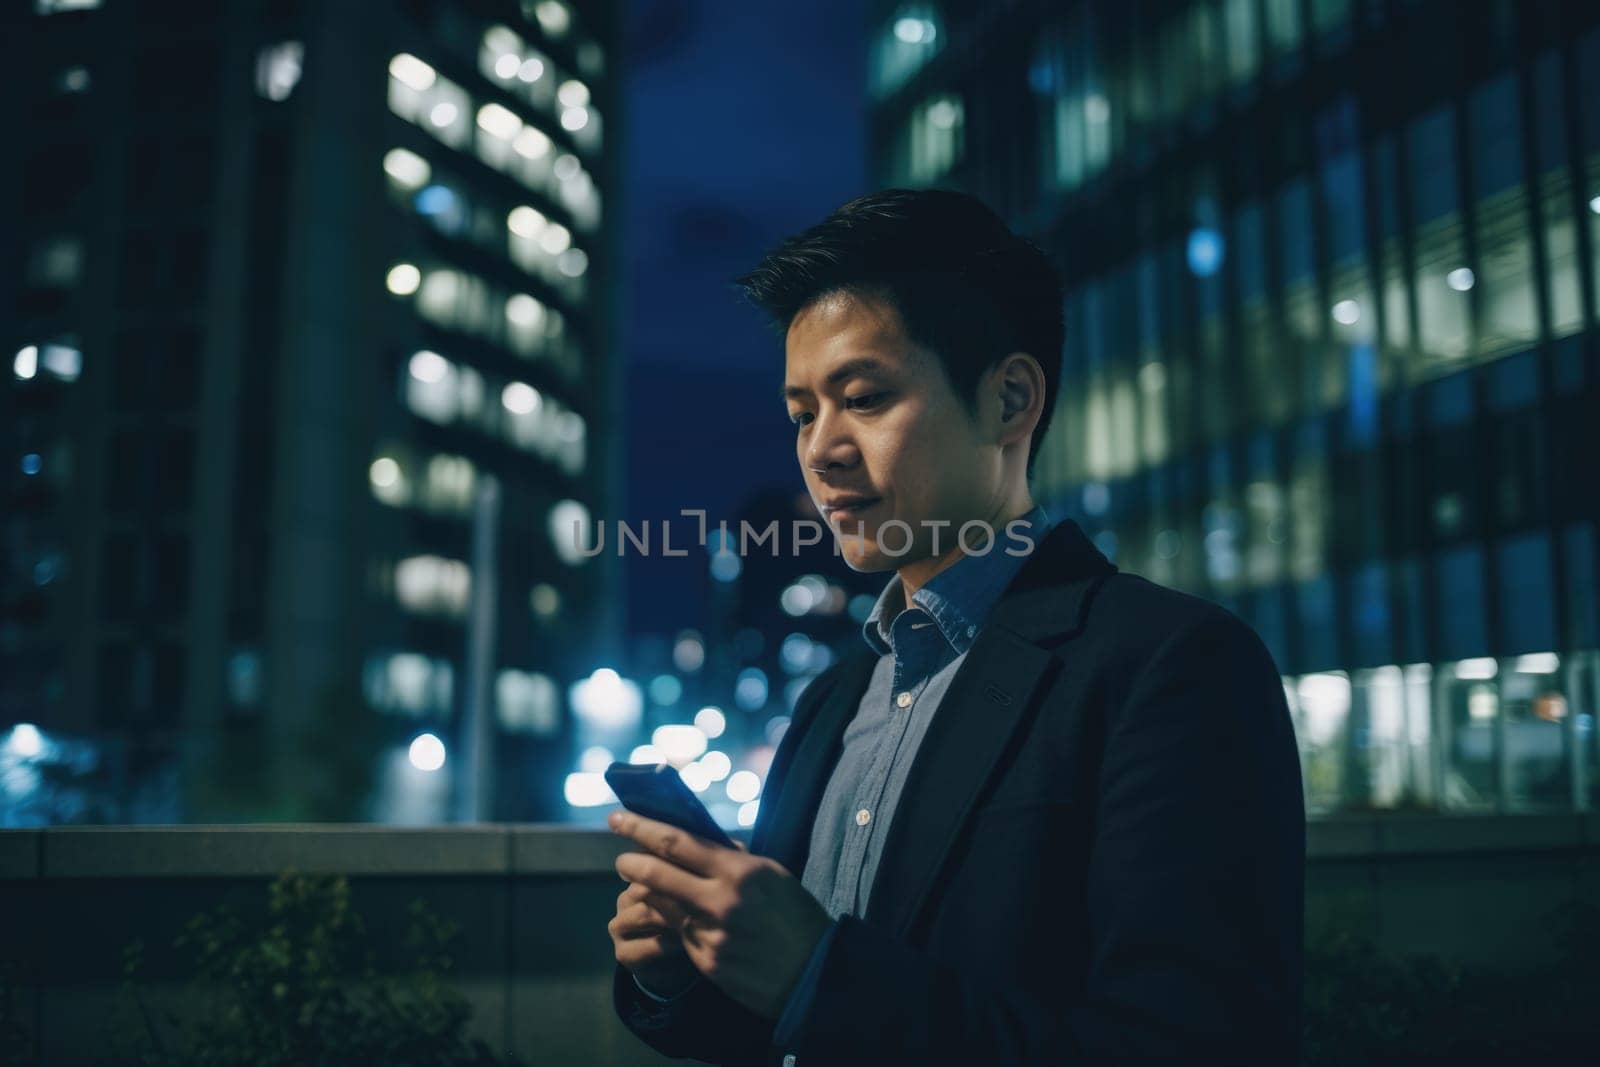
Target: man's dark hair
x=966, y=288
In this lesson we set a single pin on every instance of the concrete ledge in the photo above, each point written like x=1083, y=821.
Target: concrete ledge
x=538, y=849
x=1335, y=838
x=1413, y=835
x=242, y=851
x=19, y=853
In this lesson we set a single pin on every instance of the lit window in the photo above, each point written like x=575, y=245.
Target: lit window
x=566, y=168
x=408, y=683
x=573, y=93
x=526, y=702
x=525, y=222
x=910, y=38
x=408, y=169
x=555, y=239
x=524, y=310
x=573, y=262
x=554, y=17
x=499, y=121
x=278, y=69
x=570, y=532
x=62, y=361
x=412, y=72
x=520, y=398
x=433, y=585
x=388, y=481
x=57, y=7
x=531, y=144
x=403, y=279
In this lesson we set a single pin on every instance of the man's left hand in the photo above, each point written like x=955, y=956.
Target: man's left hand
x=750, y=925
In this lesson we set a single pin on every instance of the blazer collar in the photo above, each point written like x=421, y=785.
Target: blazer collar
x=994, y=692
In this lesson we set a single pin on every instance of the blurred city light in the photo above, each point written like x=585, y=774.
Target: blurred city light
x=688, y=652
x=743, y=786
x=595, y=759
x=748, y=812
x=710, y=721
x=679, y=743
x=426, y=752
x=1538, y=663
x=26, y=365
x=646, y=754
x=587, y=789
x=607, y=701
x=1477, y=669
x=412, y=72
x=407, y=168
x=1461, y=279
x=666, y=690
x=569, y=531
x=404, y=279
x=750, y=691
x=695, y=777
x=1204, y=251
x=716, y=764
x=25, y=741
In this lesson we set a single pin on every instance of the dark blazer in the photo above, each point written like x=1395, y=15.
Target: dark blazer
x=1098, y=857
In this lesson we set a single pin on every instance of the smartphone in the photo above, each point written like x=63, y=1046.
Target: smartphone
x=656, y=791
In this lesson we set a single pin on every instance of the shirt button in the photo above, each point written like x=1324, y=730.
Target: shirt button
x=863, y=817
x=904, y=700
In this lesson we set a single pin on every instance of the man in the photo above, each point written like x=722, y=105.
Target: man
x=1048, y=813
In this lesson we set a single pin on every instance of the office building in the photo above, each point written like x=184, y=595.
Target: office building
x=309, y=370
x=1332, y=271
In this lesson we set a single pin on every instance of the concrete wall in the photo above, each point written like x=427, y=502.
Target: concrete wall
x=532, y=902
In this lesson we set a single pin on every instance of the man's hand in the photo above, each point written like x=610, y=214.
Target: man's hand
x=746, y=923
x=644, y=935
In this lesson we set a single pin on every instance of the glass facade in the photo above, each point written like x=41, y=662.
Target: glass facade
x=1331, y=348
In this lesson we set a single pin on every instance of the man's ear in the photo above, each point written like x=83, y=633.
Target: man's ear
x=1021, y=386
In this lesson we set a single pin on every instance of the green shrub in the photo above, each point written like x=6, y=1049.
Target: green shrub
x=301, y=988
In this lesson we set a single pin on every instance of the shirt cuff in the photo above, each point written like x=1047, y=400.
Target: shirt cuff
x=658, y=998
x=798, y=1006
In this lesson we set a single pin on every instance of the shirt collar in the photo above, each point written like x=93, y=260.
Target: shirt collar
x=960, y=596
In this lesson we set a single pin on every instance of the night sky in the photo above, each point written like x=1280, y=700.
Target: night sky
x=744, y=123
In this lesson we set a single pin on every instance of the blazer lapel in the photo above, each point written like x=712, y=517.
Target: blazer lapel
x=996, y=690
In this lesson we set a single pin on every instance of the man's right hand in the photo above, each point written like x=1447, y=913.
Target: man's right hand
x=644, y=934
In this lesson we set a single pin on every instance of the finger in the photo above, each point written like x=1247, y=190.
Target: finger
x=670, y=909
x=642, y=920
x=682, y=848
x=690, y=890
x=646, y=950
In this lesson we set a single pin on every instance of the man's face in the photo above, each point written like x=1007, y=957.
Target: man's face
x=877, y=418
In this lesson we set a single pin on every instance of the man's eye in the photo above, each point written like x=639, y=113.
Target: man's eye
x=865, y=401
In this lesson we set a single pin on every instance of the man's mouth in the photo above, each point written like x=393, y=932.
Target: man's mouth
x=850, y=510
